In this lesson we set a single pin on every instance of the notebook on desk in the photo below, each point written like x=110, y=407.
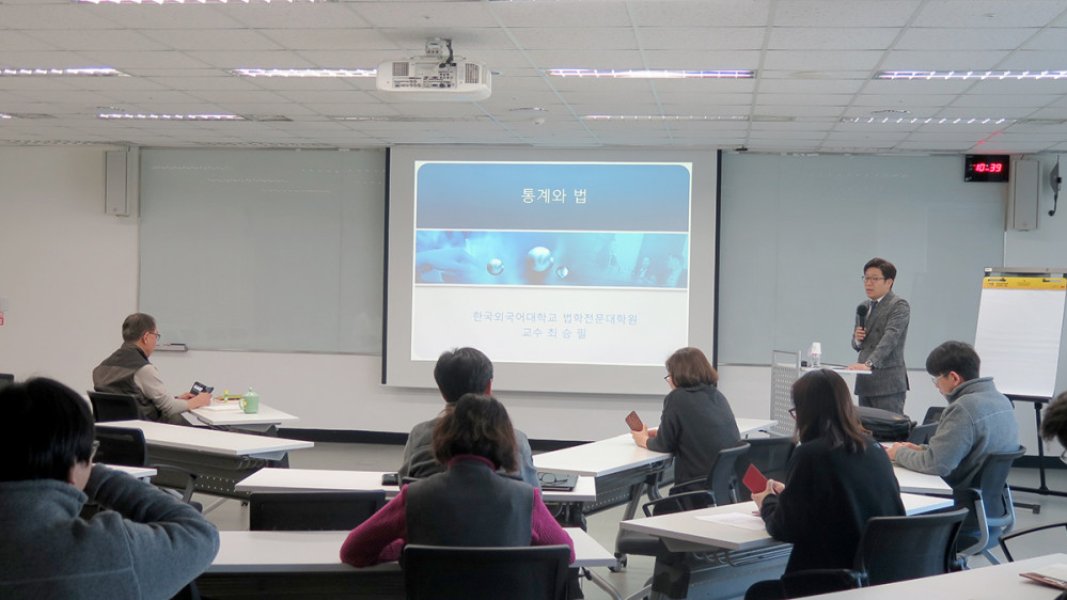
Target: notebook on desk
x=557, y=482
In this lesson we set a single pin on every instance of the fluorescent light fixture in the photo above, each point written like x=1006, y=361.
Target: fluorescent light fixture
x=653, y=73
x=170, y=117
x=306, y=72
x=631, y=118
x=53, y=72
x=3, y=117
x=926, y=121
x=197, y=1
x=979, y=75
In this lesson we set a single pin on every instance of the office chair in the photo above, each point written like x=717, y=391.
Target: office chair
x=124, y=446
x=933, y=414
x=921, y=434
x=771, y=457
x=891, y=549
x=457, y=573
x=1023, y=532
x=312, y=511
x=114, y=407
x=722, y=480
x=988, y=498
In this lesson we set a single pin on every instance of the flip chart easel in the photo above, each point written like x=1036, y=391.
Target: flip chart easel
x=1020, y=319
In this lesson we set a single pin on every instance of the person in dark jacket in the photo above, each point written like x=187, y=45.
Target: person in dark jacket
x=839, y=477
x=469, y=504
x=696, y=422
x=149, y=545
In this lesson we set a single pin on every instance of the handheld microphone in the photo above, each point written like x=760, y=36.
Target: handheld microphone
x=861, y=315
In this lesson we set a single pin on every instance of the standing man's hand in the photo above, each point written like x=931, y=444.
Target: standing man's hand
x=859, y=334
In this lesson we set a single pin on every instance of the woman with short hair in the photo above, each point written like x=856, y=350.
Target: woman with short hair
x=697, y=420
x=470, y=504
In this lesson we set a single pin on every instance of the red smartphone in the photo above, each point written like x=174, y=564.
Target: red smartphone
x=754, y=480
x=634, y=421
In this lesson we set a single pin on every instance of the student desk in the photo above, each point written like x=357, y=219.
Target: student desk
x=138, y=472
x=999, y=582
x=729, y=556
x=305, y=564
x=219, y=458
x=321, y=480
x=621, y=468
x=229, y=414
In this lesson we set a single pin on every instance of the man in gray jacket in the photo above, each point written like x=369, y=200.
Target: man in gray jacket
x=149, y=545
x=457, y=372
x=881, y=330
x=979, y=420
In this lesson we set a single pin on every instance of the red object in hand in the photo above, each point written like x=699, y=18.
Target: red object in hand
x=754, y=480
x=634, y=421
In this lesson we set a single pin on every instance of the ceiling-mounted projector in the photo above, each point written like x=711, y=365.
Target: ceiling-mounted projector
x=437, y=76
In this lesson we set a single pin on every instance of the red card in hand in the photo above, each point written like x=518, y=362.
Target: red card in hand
x=634, y=421
x=754, y=480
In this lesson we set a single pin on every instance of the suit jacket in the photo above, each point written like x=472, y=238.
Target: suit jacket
x=887, y=328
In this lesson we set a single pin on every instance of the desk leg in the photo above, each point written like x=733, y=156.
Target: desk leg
x=636, y=490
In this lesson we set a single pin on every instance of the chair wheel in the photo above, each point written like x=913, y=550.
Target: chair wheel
x=620, y=567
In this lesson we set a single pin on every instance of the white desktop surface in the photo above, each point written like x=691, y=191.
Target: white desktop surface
x=694, y=533
x=138, y=472
x=318, y=551
x=230, y=413
x=998, y=582
x=210, y=441
x=310, y=480
x=615, y=454
x=920, y=483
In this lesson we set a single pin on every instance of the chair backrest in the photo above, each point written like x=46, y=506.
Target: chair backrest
x=899, y=548
x=922, y=433
x=113, y=407
x=312, y=511
x=6, y=379
x=680, y=502
x=933, y=414
x=723, y=480
x=992, y=481
x=771, y=457
x=121, y=446
x=454, y=573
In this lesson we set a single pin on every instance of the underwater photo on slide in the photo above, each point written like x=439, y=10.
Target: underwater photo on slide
x=552, y=258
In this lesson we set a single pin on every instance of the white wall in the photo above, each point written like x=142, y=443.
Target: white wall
x=69, y=272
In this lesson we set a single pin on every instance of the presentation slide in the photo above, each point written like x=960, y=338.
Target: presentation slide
x=572, y=274
x=582, y=263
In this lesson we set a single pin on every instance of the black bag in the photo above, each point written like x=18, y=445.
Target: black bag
x=885, y=426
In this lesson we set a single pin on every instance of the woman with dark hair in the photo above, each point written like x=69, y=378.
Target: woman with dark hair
x=470, y=504
x=696, y=422
x=839, y=477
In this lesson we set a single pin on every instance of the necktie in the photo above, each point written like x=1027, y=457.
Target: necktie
x=870, y=313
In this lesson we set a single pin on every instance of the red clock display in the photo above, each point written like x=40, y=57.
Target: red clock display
x=986, y=167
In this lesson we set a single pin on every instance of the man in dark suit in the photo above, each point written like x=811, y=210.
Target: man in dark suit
x=879, y=339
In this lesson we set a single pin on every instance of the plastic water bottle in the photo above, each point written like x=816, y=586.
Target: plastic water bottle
x=815, y=355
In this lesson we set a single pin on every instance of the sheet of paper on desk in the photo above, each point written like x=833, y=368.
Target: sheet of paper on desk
x=222, y=407
x=736, y=520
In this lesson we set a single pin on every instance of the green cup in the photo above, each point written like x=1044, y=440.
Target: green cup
x=250, y=402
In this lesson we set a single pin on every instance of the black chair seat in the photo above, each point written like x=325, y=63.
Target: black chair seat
x=643, y=544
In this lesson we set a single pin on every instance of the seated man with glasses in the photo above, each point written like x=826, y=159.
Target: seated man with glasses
x=127, y=371
x=978, y=421
x=1054, y=424
x=147, y=545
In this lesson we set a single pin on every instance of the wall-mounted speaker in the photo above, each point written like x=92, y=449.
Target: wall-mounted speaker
x=122, y=182
x=1023, y=194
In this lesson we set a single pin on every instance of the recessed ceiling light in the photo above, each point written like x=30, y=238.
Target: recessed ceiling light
x=664, y=118
x=171, y=117
x=197, y=1
x=4, y=116
x=980, y=75
x=653, y=73
x=306, y=72
x=927, y=120
x=59, y=72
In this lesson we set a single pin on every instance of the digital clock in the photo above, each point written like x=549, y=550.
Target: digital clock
x=986, y=167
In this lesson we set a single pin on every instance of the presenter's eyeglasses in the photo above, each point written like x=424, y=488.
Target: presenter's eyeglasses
x=866, y=279
x=156, y=333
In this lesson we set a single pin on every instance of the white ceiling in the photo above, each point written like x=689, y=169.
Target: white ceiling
x=814, y=61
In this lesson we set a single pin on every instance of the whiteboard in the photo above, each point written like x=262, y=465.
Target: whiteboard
x=1018, y=337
